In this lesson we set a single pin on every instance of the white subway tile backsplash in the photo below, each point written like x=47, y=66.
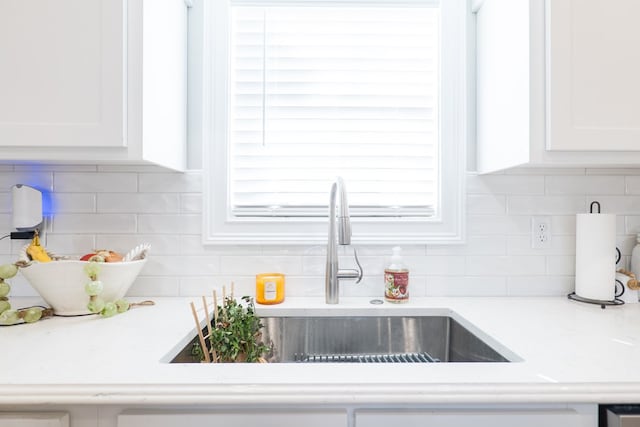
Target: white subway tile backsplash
x=483, y=225
x=119, y=206
x=499, y=184
x=311, y=286
x=191, y=203
x=5, y=203
x=146, y=286
x=7, y=248
x=69, y=244
x=181, y=266
x=199, y=286
x=632, y=184
x=545, y=171
x=619, y=205
x=447, y=286
x=39, y=179
x=373, y=287
x=561, y=265
x=505, y=265
x=254, y=264
x=77, y=182
x=187, y=182
x=560, y=245
x=94, y=223
x=540, y=286
x=131, y=168
x=161, y=244
x=613, y=171
x=30, y=168
x=545, y=205
x=285, y=250
x=486, y=204
x=475, y=245
x=315, y=266
x=73, y=203
x=563, y=224
x=587, y=185
x=437, y=265
x=161, y=223
x=139, y=203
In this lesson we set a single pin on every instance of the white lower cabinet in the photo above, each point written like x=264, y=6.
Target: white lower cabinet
x=248, y=418
x=580, y=416
x=34, y=419
x=516, y=415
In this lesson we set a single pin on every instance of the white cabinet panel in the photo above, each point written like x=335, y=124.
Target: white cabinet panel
x=34, y=419
x=61, y=77
x=593, y=68
x=93, y=81
x=249, y=418
x=476, y=418
x=504, y=122
x=557, y=83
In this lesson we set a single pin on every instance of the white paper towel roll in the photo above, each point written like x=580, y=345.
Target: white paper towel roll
x=596, y=256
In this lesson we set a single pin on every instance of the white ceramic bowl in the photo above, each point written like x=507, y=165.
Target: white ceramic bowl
x=61, y=283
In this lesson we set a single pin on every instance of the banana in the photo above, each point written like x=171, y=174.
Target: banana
x=37, y=252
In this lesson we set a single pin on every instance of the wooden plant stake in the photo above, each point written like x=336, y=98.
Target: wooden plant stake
x=206, y=314
x=203, y=345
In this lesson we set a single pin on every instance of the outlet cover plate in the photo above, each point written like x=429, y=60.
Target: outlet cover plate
x=541, y=232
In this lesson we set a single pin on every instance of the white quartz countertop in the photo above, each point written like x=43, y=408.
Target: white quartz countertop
x=566, y=351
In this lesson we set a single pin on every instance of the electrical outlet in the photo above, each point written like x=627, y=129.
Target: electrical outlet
x=541, y=232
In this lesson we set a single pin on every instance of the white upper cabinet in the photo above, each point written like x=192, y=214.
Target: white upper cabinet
x=557, y=83
x=61, y=78
x=594, y=70
x=93, y=81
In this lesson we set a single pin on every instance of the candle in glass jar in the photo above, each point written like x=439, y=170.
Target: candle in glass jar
x=269, y=288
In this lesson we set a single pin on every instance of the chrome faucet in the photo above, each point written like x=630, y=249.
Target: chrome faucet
x=333, y=273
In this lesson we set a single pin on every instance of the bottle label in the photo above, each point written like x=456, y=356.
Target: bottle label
x=396, y=285
x=270, y=291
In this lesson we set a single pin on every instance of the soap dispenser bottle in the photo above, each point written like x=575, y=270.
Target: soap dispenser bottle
x=396, y=279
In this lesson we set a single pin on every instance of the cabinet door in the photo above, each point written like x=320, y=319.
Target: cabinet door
x=34, y=419
x=593, y=89
x=475, y=418
x=249, y=418
x=61, y=73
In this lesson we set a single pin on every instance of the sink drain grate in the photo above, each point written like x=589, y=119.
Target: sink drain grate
x=365, y=358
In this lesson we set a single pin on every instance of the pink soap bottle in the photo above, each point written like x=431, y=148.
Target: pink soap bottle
x=396, y=279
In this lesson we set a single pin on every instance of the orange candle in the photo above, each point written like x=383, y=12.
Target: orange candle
x=269, y=288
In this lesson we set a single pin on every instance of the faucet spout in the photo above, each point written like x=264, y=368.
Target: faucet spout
x=340, y=224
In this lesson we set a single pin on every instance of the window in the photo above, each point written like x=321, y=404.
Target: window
x=301, y=92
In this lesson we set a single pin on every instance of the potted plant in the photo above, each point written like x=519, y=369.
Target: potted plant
x=234, y=334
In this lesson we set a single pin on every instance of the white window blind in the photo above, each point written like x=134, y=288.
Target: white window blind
x=319, y=92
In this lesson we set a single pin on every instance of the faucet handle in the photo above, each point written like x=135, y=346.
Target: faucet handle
x=360, y=271
x=352, y=274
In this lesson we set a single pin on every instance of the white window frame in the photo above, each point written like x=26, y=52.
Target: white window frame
x=220, y=227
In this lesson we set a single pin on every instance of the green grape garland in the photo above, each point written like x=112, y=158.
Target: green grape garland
x=9, y=316
x=94, y=288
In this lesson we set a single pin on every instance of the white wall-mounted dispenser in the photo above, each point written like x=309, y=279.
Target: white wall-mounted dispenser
x=27, y=207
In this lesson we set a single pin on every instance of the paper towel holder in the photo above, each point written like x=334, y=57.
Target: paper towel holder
x=601, y=303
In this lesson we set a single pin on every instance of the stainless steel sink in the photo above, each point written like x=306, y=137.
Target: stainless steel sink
x=377, y=339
